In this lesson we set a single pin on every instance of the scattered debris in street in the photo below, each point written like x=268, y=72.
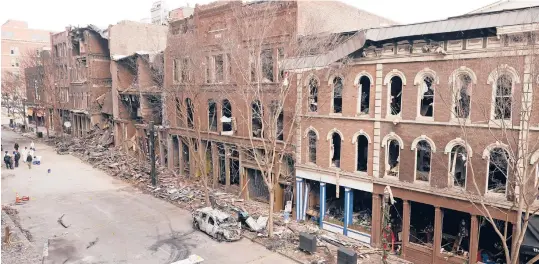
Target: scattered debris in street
x=61, y=222
x=92, y=243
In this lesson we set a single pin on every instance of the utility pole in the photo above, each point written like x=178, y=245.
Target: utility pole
x=152, y=153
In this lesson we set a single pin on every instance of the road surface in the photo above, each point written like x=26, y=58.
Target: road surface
x=126, y=225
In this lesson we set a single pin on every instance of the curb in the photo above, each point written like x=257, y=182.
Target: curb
x=15, y=229
x=280, y=253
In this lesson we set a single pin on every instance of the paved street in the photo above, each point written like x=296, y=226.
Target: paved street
x=129, y=226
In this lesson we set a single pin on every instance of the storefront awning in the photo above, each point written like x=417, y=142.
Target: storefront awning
x=530, y=244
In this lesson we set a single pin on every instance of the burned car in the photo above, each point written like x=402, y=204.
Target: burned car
x=217, y=224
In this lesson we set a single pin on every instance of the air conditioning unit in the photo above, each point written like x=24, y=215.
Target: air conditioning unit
x=346, y=256
x=307, y=242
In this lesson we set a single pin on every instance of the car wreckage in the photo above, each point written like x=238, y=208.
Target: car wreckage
x=217, y=224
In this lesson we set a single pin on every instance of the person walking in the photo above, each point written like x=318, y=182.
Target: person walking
x=24, y=152
x=16, y=157
x=16, y=146
x=6, y=160
x=29, y=161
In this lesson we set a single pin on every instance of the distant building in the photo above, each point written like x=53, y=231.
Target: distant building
x=159, y=13
x=180, y=13
x=146, y=20
x=17, y=41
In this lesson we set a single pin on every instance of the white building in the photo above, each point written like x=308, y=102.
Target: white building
x=159, y=12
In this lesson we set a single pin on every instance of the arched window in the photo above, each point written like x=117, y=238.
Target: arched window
x=212, y=115
x=498, y=170
x=395, y=98
x=313, y=95
x=362, y=153
x=226, y=119
x=458, y=165
x=462, y=92
x=426, y=96
x=337, y=95
x=335, y=150
x=189, y=105
x=312, y=146
x=364, y=94
x=256, y=119
x=423, y=160
x=503, y=99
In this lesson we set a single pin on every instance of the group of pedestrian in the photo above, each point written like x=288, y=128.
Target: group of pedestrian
x=12, y=160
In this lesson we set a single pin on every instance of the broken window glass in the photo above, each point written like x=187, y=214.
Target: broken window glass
x=335, y=150
x=365, y=86
x=462, y=96
x=396, y=95
x=361, y=219
x=219, y=68
x=362, y=153
x=427, y=97
x=455, y=232
x=458, y=165
x=266, y=57
x=423, y=154
x=312, y=146
x=503, y=100
x=179, y=113
x=498, y=170
x=212, y=115
x=393, y=153
x=257, y=127
x=337, y=95
x=313, y=95
x=226, y=119
x=334, y=204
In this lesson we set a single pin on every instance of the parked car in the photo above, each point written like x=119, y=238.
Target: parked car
x=217, y=224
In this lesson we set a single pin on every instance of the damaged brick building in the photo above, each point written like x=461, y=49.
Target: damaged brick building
x=82, y=75
x=438, y=111
x=215, y=63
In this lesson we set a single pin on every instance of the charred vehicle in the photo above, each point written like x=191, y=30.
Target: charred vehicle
x=217, y=224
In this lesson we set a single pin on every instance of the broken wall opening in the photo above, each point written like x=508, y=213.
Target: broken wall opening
x=185, y=157
x=227, y=116
x=423, y=160
x=258, y=189
x=490, y=249
x=365, y=85
x=458, y=165
x=176, y=152
x=336, y=150
x=337, y=95
x=212, y=115
x=362, y=153
x=396, y=95
x=334, y=204
x=361, y=211
x=395, y=221
x=421, y=224
x=462, y=105
x=426, y=107
x=189, y=106
x=393, y=158
x=456, y=232
x=234, y=165
x=498, y=170
x=313, y=95
x=312, y=204
x=222, y=164
x=256, y=119
x=132, y=105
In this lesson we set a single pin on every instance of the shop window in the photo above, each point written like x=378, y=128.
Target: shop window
x=421, y=224
x=455, y=232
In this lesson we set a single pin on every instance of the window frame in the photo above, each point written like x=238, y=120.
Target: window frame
x=432, y=152
x=332, y=85
x=387, y=82
x=488, y=150
x=357, y=84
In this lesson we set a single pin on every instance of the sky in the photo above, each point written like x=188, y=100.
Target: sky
x=55, y=15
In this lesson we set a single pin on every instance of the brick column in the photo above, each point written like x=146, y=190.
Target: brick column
x=474, y=239
x=378, y=115
x=405, y=225
x=376, y=223
x=438, y=214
